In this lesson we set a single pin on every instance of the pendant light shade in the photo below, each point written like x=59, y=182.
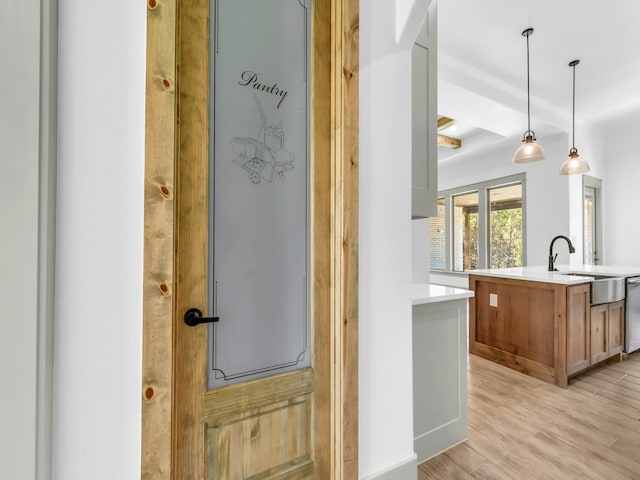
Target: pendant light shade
x=529, y=151
x=574, y=164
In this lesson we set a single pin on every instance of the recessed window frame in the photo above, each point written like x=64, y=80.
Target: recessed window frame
x=482, y=188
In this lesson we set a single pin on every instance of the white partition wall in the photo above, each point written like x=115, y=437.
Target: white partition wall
x=98, y=324
x=385, y=272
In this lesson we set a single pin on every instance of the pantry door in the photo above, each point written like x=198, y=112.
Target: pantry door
x=297, y=424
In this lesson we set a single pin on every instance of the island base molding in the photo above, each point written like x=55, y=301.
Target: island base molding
x=515, y=362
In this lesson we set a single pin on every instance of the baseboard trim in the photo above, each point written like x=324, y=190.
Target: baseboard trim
x=407, y=470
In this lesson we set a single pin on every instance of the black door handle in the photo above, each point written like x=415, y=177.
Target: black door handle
x=194, y=317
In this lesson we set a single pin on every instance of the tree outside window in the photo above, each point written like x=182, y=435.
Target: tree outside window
x=505, y=234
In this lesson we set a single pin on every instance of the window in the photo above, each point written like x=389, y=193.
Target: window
x=592, y=225
x=479, y=226
x=589, y=223
x=505, y=226
x=437, y=239
x=465, y=232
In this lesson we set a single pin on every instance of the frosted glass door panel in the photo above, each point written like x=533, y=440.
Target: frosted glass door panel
x=259, y=189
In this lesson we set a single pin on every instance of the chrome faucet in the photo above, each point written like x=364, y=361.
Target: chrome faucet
x=552, y=258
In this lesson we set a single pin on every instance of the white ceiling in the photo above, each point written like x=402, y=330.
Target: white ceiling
x=482, y=64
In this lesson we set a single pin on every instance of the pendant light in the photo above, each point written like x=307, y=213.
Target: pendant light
x=574, y=164
x=530, y=151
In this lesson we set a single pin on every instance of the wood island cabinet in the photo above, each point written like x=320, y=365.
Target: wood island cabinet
x=578, y=328
x=606, y=330
x=616, y=327
x=599, y=327
x=546, y=330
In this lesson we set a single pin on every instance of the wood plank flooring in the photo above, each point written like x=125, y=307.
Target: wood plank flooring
x=524, y=428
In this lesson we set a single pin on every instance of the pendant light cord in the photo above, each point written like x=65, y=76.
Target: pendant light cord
x=573, y=64
x=573, y=122
x=528, y=90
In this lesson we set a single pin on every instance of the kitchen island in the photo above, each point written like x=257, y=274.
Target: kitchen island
x=543, y=323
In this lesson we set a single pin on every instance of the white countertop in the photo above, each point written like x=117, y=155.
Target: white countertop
x=431, y=293
x=541, y=274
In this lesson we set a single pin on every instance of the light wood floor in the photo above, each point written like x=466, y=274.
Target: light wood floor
x=523, y=428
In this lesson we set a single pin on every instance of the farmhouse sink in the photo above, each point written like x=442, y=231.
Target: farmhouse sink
x=604, y=289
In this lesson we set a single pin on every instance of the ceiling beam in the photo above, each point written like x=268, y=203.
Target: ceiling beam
x=445, y=122
x=443, y=140
x=449, y=142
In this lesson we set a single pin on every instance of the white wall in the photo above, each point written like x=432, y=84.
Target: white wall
x=385, y=390
x=547, y=193
x=99, y=241
x=19, y=211
x=590, y=146
x=385, y=271
x=620, y=195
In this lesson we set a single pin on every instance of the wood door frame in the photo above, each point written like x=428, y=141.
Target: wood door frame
x=171, y=40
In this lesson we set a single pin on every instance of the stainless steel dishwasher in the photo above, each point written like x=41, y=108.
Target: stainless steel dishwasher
x=632, y=320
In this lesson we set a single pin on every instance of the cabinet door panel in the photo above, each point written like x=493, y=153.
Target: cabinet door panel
x=616, y=327
x=578, y=331
x=599, y=333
